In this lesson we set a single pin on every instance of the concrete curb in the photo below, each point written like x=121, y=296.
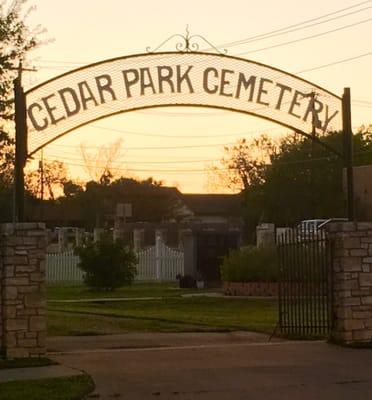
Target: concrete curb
x=52, y=371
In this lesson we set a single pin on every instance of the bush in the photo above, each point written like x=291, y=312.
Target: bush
x=107, y=264
x=250, y=264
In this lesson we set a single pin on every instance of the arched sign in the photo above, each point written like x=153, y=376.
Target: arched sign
x=124, y=84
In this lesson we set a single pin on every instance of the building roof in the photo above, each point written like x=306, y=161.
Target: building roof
x=213, y=204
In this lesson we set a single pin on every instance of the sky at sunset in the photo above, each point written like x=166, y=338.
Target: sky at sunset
x=177, y=145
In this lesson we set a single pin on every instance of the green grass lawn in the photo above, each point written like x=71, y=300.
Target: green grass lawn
x=26, y=363
x=73, y=388
x=168, y=313
x=138, y=289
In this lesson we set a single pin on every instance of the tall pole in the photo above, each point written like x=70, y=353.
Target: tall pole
x=41, y=169
x=348, y=152
x=21, y=148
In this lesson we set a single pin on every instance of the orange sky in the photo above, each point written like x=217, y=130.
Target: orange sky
x=90, y=31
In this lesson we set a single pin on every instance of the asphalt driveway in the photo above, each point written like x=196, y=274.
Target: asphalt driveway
x=219, y=367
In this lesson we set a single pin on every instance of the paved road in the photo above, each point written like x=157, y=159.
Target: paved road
x=220, y=370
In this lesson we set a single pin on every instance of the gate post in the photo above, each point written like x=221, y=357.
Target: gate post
x=348, y=152
x=352, y=282
x=22, y=277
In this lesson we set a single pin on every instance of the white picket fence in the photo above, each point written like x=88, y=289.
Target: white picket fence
x=62, y=267
x=159, y=262
x=156, y=263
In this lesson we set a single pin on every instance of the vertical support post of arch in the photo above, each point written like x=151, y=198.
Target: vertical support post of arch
x=348, y=152
x=20, y=149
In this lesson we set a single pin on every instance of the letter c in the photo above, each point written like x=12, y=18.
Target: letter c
x=31, y=115
x=205, y=80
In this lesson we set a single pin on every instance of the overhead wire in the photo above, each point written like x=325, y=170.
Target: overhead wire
x=306, y=37
x=329, y=158
x=281, y=31
x=285, y=28
x=255, y=37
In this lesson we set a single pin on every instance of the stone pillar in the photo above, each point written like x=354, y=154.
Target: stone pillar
x=22, y=277
x=352, y=282
x=265, y=235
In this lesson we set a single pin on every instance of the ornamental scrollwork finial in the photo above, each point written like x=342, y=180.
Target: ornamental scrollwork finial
x=189, y=43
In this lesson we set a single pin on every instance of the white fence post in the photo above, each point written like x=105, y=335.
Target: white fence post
x=158, y=258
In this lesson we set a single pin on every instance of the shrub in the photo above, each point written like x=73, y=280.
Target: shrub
x=107, y=264
x=250, y=264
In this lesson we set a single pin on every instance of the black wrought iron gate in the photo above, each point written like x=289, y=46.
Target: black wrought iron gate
x=305, y=294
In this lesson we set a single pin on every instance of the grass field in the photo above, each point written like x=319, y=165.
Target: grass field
x=78, y=292
x=169, y=312
x=25, y=363
x=77, y=387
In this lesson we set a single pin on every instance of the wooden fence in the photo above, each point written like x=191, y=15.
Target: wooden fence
x=156, y=263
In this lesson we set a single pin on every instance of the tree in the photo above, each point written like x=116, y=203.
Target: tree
x=305, y=180
x=244, y=163
x=107, y=264
x=16, y=40
x=100, y=164
x=50, y=178
x=295, y=178
x=71, y=188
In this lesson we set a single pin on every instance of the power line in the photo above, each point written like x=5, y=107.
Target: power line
x=137, y=133
x=335, y=63
x=306, y=37
x=296, y=27
x=362, y=101
x=327, y=158
x=251, y=38
x=160, y=147
x=138, y=162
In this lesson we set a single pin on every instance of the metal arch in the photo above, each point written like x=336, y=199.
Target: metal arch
x=180, y=54
x=309, y=136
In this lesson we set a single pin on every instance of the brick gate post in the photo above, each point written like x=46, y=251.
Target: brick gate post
x=22, y=277
x=352, y=282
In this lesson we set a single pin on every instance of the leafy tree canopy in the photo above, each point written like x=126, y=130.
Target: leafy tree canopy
x=16, y=40
x=294, y=178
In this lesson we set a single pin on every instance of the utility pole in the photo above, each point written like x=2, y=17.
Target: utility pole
x=41, y=170
x=20, y=147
